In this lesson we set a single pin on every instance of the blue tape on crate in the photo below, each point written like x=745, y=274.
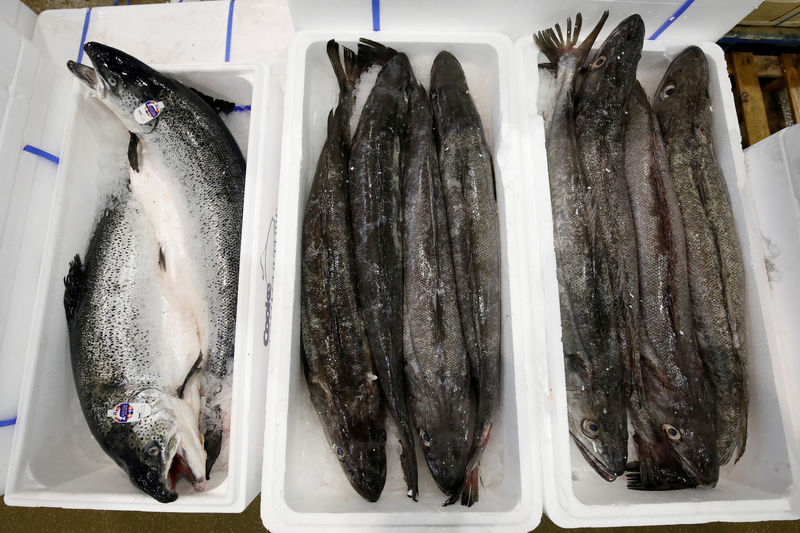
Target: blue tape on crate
x=672, y=19
x=85, y=31
x=241, y=107
x=376, y=15
x=41, y=153
x=790, y=17
x=8, y=422
x=228, y=36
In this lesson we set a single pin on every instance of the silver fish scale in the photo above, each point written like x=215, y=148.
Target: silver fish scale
x=716, y=267
x=207, y=167
x=115, y=348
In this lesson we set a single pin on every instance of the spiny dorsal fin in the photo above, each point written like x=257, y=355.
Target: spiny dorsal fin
x=73, y=287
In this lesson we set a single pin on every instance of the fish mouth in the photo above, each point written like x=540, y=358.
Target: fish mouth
x=695, y=476
x=601, y=468
x=87, y=75
x=179, y=467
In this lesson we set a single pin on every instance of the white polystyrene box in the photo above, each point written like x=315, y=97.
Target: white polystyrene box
x=303, y=484
x=773, y=171
x=761, y=486
x=54, y=458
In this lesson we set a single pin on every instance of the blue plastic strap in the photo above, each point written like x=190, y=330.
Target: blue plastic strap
x=228, y=36
x=672, y=19
x=376, y=15
x=241, y=108
x=85, y=31
x=41, y=153
x=8, y=422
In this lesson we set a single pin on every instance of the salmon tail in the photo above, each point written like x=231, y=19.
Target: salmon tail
x=374, y=53
x=552, y=43
x=73, y=287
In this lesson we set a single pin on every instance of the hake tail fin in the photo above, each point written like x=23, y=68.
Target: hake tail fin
x=347, y=71
x=374, y=53
x=552, y=43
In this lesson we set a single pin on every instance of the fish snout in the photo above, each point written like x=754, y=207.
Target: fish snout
x=366, y=471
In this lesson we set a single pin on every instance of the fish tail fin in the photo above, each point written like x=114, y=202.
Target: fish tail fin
x=374, y=53
x=73, y=287
x=408, y=461
x=553, y=44
x=469, y=488
x=336, y=62
x=469, y=492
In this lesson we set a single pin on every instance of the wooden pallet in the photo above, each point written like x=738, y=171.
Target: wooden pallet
x=756, y=79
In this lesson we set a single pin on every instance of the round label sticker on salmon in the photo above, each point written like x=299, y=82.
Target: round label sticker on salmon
x=129, y=412
x=148, y=111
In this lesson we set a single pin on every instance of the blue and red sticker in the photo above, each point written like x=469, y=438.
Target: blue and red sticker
x=148, y=111
x=129, y=412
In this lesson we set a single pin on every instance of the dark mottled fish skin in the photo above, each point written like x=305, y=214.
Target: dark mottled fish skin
x=599, y=132
x=117, y=354
x=189, y=142
x=376, y=203
x=336, y=355
x=465, y=162
x=437, y=366
x=591, y=354
x=668, y=402
x=716, y=268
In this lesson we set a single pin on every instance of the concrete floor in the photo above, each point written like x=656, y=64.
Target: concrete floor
x=22, y=519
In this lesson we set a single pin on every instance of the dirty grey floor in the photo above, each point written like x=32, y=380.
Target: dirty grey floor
x=23, y=519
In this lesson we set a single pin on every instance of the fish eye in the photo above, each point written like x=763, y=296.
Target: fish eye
x=340, y=453
x=153, y=450
x=672, y=433
x=382, y=439
x=426, y=439
x=598, y=62
x=112, y=81
x=667, y=90
x=590, y=428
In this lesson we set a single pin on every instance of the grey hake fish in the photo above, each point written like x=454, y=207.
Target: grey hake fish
x=599, y=133
x=336, y=353
x=593, y=368
x=716, y=268
x=468, y=186
x=437, y=367
x=188, y=174
x=377, y=210
x=669, y=407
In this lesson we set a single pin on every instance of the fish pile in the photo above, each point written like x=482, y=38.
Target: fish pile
x=400, y=268
x=151, y=309
x=649, y=266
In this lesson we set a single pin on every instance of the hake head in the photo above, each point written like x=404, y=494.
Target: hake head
x=132, y=90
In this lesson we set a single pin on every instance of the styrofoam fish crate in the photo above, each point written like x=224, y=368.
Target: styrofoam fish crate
x=763, y=484
x=773, y=171
x=54, y=458
x=304, y=486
